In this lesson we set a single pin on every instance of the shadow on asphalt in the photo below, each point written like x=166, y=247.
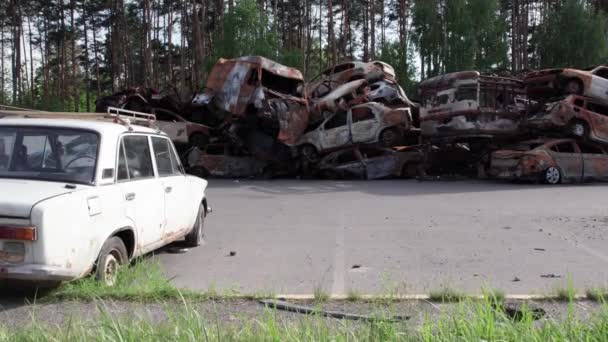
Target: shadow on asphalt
x=405, y=187
x=17, y=294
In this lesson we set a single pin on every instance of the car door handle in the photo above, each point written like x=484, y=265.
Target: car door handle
x=130, y=196
x=168, y=189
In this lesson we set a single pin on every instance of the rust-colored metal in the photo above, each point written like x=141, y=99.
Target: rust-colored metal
x=255, y=89
x=471, y=104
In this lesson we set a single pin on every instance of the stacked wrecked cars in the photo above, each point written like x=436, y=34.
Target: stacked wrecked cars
x=258, y=118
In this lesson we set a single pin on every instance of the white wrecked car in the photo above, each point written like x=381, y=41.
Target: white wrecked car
x=82, y=196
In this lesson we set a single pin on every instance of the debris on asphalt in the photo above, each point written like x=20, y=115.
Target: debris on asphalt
x=232, y=253
x=540, y=249
x=356, y=266
x=516, y=279
x=550, y=275
x=308, y=310
x=518, y=311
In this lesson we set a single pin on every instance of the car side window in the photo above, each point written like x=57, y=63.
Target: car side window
x=138, y=157
x=347, y=157
x=586, y=148
x=565, y=148
x=579, y=103
x=123, y=173
x=162, y=155
x=362, y=114
x=597, y=108
x=336, y=121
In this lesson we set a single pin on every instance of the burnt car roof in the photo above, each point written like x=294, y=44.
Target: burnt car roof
x=268, y=64
x=448, y=80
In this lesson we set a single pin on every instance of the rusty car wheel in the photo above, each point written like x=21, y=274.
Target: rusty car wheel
x=195, y=237
x=112, y=256
x=389, y=137
x=573, y=86
x=310, y=152
x=578, y=129
x=552, y=175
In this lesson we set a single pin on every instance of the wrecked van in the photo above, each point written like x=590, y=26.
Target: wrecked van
x=363, y=124
x=469, y=104
x=255, y=93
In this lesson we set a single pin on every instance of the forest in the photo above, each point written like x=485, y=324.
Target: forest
x=64, y=54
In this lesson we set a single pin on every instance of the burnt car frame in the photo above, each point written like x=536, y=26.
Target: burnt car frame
x=257, y=93
x=363, y=124
x=581, y=117
x=180, y=130
x=368, y=162
x=555, y=82
x=223, y=160
x=551, y=161
x=470, y=105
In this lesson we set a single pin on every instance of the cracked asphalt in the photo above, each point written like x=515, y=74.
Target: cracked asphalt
x=405, y=236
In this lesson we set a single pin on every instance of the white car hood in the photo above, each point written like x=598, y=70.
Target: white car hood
x=17, y=197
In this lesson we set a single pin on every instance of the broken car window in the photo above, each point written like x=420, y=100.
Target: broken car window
x=343, y=67
x=339, y=119
x=579, y=103
x=466, y=92
x=565, y=148
x=586, y=148
x=597, y=108
x=281, y=84
x=362, y=114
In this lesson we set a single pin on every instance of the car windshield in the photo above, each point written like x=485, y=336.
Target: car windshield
x=48, y=153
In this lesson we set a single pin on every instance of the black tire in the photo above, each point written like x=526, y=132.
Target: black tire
x=552, y=176
x=389, y=137
x=195, y=237
x=573, y=86
x=198, y=140
x=578, y=129
x=309, y=152
x=113, y=254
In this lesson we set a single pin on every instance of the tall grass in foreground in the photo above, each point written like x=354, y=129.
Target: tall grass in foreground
x=472, y=321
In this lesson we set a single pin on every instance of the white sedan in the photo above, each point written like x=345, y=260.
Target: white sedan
x=85, y=196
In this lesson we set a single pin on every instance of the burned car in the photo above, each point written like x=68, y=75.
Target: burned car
x=367, y=123
x=340, y=74
x=581, y=117
x=555, y=82
x=468, y=104
x=223, y=160
x=180, y=130
x=372, y=163
x=256, y=94
x=550, y=161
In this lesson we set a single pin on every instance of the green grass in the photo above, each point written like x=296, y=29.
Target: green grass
x=320, y=295
x=447, y=295
x=599, y=294
x=471, y=321
x=353, y=295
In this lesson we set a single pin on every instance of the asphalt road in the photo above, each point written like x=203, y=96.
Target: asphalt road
x=381, y=237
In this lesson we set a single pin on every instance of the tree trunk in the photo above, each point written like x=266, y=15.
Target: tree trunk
x=87, y=79
x=2, y=89
x=74, y=64
x=170, y=46
x=372, y=24
x=331, y=43
x=64, y=90
x=147, y=76
x=97, y=73
x=14, y=13
x=32, y=84
x=366, y=31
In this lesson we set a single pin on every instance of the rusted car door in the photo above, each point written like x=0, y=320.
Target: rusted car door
x=598, y=119
x=569, y=159
x=378, y=163
x=595, y=163
x=335, y=132
x=364, y=124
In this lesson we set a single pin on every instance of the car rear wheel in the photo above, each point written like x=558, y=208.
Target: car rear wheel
x=195, y=237
x=113, y=254
x=389, y=137
x=578, y=129
x=552, y=175
x=573, y=86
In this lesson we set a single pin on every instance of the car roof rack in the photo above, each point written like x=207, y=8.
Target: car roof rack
x=116, y=115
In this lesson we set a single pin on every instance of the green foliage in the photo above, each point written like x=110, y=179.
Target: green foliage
x=572, y=35
x=403, y=62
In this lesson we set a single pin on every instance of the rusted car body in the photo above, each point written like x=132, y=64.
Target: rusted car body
x=343, y=73
x=372, y=162
x=222, y=160
x=555, y=82
x=551, y=161
x=581, y=117
x=258, y=93
x=469, y=104
x=363, y=124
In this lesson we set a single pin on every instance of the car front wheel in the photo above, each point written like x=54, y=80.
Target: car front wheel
x=552, y=175
x=195, y=237
x=113, y=254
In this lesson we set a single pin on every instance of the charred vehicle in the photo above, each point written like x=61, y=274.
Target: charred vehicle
x=263, y=101
x=555, y=82
x=223, y=160
x=180, y=130
x=340, y=74
x=471, y=105
x=551, y=161
x=363, y=124
x=581, y=117
x=372, y=163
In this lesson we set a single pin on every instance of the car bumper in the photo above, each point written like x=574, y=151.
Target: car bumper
x=35, y=272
